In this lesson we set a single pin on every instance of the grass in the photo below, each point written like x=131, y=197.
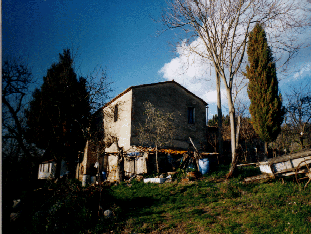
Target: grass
x=208, y=205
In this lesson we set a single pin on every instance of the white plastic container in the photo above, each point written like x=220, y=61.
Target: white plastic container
x=155, y=180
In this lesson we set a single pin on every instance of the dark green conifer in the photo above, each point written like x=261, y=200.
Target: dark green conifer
x=266, y=107
x=59, y=112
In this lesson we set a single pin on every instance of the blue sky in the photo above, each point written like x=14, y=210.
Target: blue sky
x=119, y=35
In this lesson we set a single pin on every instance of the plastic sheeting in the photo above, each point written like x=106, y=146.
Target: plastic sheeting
x=129, y=167
x=112, y=168
x=134, y=163
x=141, y=165
x=134, y=154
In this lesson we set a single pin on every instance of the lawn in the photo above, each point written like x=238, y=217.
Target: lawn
x=210, y=204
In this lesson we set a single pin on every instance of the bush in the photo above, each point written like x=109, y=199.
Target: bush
x=63, y=207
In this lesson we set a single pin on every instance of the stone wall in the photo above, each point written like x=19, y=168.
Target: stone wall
x=86, y=167
x=122, y=123
x=170, y=97
x=119, y=127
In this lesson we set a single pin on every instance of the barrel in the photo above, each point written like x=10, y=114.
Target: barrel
x=104, y=176
x=204, y=165
x=85, y=180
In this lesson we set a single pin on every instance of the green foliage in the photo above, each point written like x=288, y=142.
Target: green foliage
x=181, y=173
x=59, y=111
x=247, y=171
x=62, y=207
x=266, y=102
x=214, y=120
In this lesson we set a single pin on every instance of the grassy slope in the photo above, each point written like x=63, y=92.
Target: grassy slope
x=208, y=207
x=201, y=206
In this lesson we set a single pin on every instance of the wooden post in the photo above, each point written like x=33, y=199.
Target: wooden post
x=157, y=162
x=193, y=144
x=97, y=155
x=196, y=154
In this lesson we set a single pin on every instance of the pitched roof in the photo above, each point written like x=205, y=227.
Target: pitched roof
x=152, y=84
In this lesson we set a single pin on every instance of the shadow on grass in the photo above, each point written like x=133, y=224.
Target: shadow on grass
x=66, y=207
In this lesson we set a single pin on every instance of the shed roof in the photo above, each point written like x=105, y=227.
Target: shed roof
x=153, y=84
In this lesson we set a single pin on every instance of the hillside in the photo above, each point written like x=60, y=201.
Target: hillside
x=207, y=205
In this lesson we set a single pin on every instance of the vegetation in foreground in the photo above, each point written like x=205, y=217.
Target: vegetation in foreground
x=208, y=205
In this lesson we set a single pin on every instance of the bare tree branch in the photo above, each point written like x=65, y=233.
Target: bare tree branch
x=223, y=28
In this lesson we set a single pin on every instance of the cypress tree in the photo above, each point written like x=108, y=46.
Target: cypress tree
x=266, y=107
x=59, y=113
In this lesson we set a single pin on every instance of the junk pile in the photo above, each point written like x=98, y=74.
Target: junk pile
x=137, y=162
x=193, y=164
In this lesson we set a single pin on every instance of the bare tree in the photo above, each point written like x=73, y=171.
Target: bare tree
x=221, y=30
x=212, y=138
x=158, y=129
x=299, y=111
x=99, y=88
x=16, y=79
x=284, y=140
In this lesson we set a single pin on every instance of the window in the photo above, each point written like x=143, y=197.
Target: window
x=190, y=115
x=116, y=113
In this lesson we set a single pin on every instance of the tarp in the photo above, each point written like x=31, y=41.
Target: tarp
x=134, y=163
x=141, y=164
x=134, y=154
x=129, y=167
x=112, y=168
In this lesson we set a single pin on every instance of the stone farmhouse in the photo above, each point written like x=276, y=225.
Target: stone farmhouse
x=120, y=119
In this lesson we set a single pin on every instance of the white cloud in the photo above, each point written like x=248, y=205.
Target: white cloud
x=305, y=70
x=198, y=76
x=211, y=96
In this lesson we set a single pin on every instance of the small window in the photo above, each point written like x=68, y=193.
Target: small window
x=115, y=113
x=190, y=115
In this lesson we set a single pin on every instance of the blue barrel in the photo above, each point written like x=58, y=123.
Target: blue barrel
x=204, y=165
x=104, y=176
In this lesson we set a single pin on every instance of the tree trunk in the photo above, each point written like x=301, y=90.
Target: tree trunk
x=119, y=161
x=18, y=134
x=219, y=111
x=238, y=132
x=233, y=135
x=97, y=156
x=266, y=149
x=157, y=162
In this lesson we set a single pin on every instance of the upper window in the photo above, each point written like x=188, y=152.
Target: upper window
x=115, y=113
x=190, y=115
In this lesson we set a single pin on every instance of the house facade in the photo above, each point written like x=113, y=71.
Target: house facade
x=121, y=118
x=124, y=114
